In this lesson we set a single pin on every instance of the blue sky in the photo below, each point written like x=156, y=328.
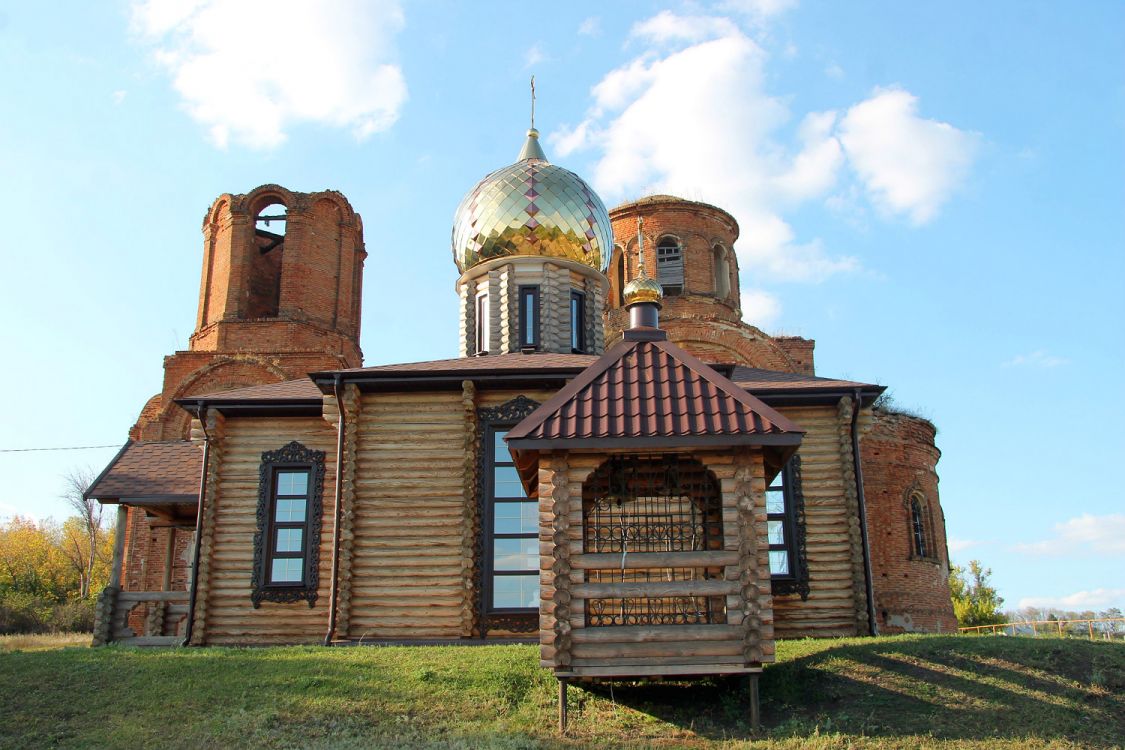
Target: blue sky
x=933, y=192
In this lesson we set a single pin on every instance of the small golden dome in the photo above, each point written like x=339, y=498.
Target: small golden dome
x=532, y=208
x=643, y=289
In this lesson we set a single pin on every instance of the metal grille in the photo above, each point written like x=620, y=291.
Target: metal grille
x=661, y=504
x=652, y=504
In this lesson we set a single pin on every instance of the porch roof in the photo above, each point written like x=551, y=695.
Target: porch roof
x=151, y=473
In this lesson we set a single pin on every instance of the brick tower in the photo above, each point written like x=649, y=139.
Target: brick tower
x=279, y=298
x=689, y=249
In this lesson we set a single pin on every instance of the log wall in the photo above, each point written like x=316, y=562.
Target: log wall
x=836, y=605
x=230, y=522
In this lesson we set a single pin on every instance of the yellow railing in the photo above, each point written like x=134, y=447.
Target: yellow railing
x=1058, y=628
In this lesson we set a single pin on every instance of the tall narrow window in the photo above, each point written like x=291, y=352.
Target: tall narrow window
x=577, y=322
x=670, y=266
x=722, y=271
x=617, y=277
x=918, y=527
x=483, y=339
x=785, y=527
x=263, y=292
x=529, y=317
x=287, y=542
x=512, y=554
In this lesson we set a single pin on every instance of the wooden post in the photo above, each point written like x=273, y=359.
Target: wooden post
x=169, y=553
x=755, y=709
x=1091, y=624
x=562, y=705
x=119, y=546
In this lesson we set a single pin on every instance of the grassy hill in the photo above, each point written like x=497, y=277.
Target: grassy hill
x=910, y=691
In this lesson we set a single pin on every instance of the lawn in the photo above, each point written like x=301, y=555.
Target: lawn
x=908, y=691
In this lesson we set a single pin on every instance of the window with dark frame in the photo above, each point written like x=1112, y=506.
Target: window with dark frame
x=511, y=554
x=287, y=540
x=918, y=527
x=529, y=317
x=577, y=322
x=670, y=266
x=786, y=532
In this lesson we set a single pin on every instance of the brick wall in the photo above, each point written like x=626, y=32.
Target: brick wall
x=899, y=461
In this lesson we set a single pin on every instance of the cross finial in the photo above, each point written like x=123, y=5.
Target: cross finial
x=533, y=102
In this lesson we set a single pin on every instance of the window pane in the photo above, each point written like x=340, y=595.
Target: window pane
x=778, y=481
x=776, y=532
x=500, y=446
x=507, y=482
x=515, y=591
x=775, y=501
x=515, y=554
x=290, y=510
x=289, y=540
x=292, y=482
x=516, y=518
x=779, y=562
x=287, y=570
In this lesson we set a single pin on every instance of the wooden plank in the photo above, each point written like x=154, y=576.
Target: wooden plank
x=656, y=633
x=654, y=589
x=676, y=651
x=634, y=670
x=639, y=560
x=152, y=596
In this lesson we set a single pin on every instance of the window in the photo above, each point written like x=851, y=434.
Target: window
x=577, y=322
x=617, y=277
x=512, y=545
x=263, y=291
x=529, y=317
x=785, y=527
x=483, y=339
x=921, y=528
x=722, y=272
x=287, y=542
x=670, y=266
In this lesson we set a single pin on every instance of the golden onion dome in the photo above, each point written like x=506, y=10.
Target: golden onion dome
x=532, y=208
x=643, y=289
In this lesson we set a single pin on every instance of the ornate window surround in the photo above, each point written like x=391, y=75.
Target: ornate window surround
x=489, y=419
x=797, y=580
x=292, y=456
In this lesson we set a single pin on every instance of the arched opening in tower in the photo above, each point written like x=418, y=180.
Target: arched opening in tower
x=264, y=288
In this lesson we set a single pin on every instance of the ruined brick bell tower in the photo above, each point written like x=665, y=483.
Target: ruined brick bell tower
x=279, y=298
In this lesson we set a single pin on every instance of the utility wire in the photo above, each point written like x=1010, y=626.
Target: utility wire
x=68, y=448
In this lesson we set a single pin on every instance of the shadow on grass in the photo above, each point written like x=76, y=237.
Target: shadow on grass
x=944, y=687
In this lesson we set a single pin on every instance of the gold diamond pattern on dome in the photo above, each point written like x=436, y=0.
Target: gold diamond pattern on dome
x=532, y=208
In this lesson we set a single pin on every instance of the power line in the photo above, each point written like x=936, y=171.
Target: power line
x=68, y=448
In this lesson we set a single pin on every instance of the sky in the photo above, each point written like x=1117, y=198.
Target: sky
x=934, y=192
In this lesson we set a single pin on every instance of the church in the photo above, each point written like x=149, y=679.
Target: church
x=616, y=467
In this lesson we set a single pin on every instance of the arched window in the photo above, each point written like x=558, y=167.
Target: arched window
x=670, y=265
x=617, y=277
x=264, y=290
x=920, y=532
x=652, y=504
x=722, y=271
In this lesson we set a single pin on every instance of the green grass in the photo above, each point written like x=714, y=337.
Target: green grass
x=910, y=691
x=43, y=641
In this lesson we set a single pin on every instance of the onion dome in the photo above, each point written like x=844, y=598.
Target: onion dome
x=532, y=208
x=643, y=289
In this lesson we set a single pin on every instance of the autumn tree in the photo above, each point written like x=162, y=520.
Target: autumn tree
x=975, y=601
x=83, y=540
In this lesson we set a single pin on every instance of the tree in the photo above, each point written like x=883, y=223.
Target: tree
x=82, y=542
x=975, y=601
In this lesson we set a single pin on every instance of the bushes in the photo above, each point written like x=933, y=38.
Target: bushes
x=25, y=613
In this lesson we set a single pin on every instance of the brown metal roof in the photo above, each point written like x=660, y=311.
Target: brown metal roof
x=160, y=471
x=754, y=379
x=648, y=391
x=286, y=390
x=487, y=363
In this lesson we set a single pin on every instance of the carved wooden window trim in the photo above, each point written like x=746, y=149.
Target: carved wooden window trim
x=796, y=581
x=489, y=420
x=293, y=456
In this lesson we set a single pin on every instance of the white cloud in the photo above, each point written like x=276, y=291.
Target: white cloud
x=534, y=56
x=1096, y=599
x=248, y=69
x=1084, y=534
x=833, y=70
x=119, y=96
x=760, y=308
x=960, y=545
x=667, y=26
x=909, y=165
x=1037, y=358
x=758, y=10
x=591, y=26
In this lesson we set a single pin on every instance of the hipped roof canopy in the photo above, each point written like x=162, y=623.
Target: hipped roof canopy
x=646, y=393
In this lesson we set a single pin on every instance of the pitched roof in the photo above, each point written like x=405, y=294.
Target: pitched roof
x=166, y=471
x=283, y=391
x=535, y=361
x=646, y=391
